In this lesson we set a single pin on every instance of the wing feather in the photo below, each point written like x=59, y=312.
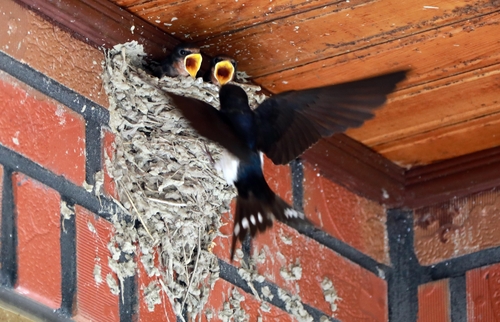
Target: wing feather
x=210, y=123
x=291, y=122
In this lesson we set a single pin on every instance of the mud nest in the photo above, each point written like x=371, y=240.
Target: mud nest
x=165, y=181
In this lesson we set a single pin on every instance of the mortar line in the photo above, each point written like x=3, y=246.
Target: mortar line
x=129, y=295
x=8, y=237
x=87, y=108
x=93, y=150
x=297, y=173
x=458, y=266
x=68, y=260
x=403, y=280
x=458, y=298
x=101, y=206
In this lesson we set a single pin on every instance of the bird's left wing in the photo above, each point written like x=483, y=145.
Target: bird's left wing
x=209, y=122
x=291, y=122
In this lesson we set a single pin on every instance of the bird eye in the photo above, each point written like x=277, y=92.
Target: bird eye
x=184, y=52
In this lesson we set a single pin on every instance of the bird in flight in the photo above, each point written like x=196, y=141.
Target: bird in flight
x=282, y=127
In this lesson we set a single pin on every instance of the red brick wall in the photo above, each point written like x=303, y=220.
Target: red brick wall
x=369, y=264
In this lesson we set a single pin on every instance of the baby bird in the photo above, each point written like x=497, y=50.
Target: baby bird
x=222, y=70
x=184, y=60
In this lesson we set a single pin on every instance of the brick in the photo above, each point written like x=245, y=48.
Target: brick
x=56, y=53
x=38, y=213
x=458, y=227
x=161, y=312
x=95, y=301
x=221, y=292
x=362, y=295
x=483, y=294
x=279, y=179
x=42, y=130
x=109, y=149
x=352, y=219
x=434, y=302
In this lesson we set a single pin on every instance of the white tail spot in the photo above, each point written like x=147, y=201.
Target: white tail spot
x=292, y=213
x=252, y=219
x=259, y=217
x=244, y=223
x=236, y=230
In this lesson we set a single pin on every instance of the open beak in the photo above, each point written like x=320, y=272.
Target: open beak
x=192, y=63
x=224, y=72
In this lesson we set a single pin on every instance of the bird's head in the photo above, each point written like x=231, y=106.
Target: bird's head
x=190, y=54
x=232, y=97
x=223, y=69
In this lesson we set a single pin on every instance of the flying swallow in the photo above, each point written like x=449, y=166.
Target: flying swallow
x=184, y=60
x=222, y=70
x=282, y=127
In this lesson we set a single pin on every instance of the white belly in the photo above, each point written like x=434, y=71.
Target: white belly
x=228, y=165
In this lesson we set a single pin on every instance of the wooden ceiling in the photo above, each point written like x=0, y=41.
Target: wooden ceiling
x=450, y=104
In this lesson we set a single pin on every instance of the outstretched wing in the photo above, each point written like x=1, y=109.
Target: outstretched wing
x=209, y=122
x=291, y=122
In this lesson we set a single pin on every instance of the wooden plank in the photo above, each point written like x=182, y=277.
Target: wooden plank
x=103, y=24
x=358, y=168
x=320, y=34
x=445, y=142
x=433, y=54
x=454, y=178
x=201, y=19
x=434, y=105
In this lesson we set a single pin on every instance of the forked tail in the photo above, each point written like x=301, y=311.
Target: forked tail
x=255, y=215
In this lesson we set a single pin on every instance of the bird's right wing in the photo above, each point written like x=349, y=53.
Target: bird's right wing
x=209, y=122
x=291, y=122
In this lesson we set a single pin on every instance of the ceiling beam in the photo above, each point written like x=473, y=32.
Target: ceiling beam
x=452, y=178
x=103, y=24
x=359, y=169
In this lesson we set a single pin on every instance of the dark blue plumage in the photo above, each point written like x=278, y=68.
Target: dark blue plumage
x=282, y=127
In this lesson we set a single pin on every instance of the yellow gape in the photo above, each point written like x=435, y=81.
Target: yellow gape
x=192, y=63
x=224, y=72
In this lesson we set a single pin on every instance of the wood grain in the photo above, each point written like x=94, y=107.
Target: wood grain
x=433, y=105
x=199, y=19
x=445, y=142
x=318, y=35
x=433, y=54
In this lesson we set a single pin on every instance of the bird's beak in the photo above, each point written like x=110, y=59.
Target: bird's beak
x=224, y=72
x=192, y=63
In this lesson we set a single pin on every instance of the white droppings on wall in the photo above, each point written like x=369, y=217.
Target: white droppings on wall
x=232, y=310
x=293, y=304
x=330, y=294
